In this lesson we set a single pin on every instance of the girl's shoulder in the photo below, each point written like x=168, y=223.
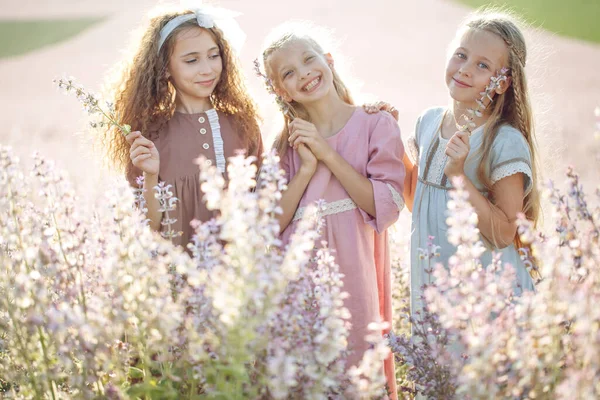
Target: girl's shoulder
x=428, y=121
x=379, y=119
x=431, y=114
x=510, y=139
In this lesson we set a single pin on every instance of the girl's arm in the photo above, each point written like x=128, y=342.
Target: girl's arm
x=152, y=204
x=497, y=218
x=145, y=157
x=410, y=181
x=378, y=193
x=358, y=186
x=291, y=197
x=412, y=170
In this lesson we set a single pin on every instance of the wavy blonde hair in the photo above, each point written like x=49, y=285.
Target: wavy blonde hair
x=297, y=110
x=145, y=98
x=513, y=106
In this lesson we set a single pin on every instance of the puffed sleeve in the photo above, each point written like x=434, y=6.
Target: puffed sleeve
x=511, y=155
x=386, y=172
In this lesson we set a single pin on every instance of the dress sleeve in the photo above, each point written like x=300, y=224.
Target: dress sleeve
x=511, y=155
x=412, y=144
x=386, y=172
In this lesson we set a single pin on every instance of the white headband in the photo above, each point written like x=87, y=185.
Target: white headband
x=207, y=17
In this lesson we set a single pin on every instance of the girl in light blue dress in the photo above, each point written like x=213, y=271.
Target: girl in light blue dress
x=497, y=160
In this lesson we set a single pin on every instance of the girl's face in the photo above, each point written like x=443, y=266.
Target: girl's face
x=300, y=72
x=195, y=64
x=479, y=55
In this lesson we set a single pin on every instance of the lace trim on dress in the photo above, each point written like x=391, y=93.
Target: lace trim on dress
x=510, y=169
x=438, y=163
x=335, y=207
x=398, y=200
x=412, y=149
x=213, y=120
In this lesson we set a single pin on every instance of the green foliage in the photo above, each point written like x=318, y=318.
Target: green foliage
x=21, y=37
x=576, y=18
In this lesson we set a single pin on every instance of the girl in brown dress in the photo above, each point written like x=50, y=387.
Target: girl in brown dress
x=183, y=95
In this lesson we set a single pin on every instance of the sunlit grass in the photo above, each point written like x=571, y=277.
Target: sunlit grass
x=575, y=18
x=20, y=37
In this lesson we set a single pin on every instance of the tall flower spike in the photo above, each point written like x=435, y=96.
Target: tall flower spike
x=469, y=118
x=92, y=105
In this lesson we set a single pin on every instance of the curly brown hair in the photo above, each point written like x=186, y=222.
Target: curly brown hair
x=144, y=97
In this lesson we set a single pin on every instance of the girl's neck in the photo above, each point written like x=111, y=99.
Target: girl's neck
x=329, y=114
x=192, y=105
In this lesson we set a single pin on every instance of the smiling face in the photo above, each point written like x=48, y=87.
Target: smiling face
x=478, y=56
x=300, y=72
x=195, y=65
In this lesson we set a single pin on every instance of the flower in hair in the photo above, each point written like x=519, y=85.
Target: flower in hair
x=469, y=118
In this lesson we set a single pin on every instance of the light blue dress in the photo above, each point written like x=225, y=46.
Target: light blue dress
x=510, y=155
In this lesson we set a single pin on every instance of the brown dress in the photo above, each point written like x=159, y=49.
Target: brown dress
x=179, y=142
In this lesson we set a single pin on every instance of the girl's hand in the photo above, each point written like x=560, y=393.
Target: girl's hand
x=309, y=161
x=303, y=132
x=372, y=108
x=143, y=153
x=457, y=151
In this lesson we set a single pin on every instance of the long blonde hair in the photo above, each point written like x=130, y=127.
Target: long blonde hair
x=295, y=109
x=145, y=98
x=513, y=106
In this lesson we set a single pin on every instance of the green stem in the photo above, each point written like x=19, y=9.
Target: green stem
x=24, y=352
x=192, y=386
x=46, y=362
x=64, y=254
x=112, y=120
x=17, y=224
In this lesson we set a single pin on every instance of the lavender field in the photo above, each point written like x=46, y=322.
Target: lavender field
x=94, y=304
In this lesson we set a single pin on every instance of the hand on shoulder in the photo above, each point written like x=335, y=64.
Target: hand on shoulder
x=372, y=108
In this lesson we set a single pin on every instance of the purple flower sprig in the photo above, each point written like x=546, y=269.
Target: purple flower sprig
x=282, y=104
x=472, y=113
x=92, y=105
x=167, y=202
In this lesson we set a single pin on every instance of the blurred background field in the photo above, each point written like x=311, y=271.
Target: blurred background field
x=396, y=54
x=31, y=35
x=576, y=19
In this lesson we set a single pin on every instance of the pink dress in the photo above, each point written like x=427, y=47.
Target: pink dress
x=371, y=143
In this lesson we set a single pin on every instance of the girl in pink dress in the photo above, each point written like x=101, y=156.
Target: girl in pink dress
x=332, y=150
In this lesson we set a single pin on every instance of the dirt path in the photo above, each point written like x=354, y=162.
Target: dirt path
x=397, y=50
